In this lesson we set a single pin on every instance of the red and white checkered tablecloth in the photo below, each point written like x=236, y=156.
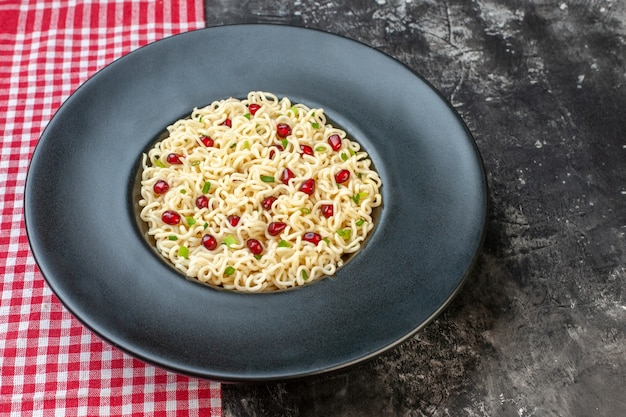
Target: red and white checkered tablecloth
x=50, y=365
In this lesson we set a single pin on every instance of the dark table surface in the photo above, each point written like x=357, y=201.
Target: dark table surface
x=539, y=329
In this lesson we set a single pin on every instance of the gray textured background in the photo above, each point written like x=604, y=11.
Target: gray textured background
x=540, y=327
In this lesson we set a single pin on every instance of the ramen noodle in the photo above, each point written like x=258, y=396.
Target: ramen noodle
x=258, y=194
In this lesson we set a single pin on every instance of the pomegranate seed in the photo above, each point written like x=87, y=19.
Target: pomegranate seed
x=335, y=142
x=283, y=130
x=267, y=202
x=202, y=202
x=286, y=175
x=209, y=242
x=273, y=152
x=312, y=237
x=174, y=159
x=308, y=186
x=253, y=107
x=228, y=123
x=160, y=187
x=342, y=176
x=170, y=217
x=233, y=220
x=207, y=141
x=274, y=228
x=254, y=246
x=306, y=150
x=328, y=210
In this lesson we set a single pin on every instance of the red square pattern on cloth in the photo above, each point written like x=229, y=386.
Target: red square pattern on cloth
x=50, y=365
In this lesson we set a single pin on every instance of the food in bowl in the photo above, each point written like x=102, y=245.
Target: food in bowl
x=258, y=194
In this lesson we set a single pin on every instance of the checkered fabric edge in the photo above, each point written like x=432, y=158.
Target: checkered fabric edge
x=50, y=365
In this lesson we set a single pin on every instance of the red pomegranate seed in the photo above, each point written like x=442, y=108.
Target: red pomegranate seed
x=233, y=220
x=273, y=152
x=202, y=202
x=253, y=107
x=254, y=246
x=174, y=159
x=335, y=142
x=207, y=141
x=328, y=210
x=170, y=217
x=267, y=202
x=228, y=123
x=312, y=237
x=160, y=187
x=342, y=176
x=283, y=130
x=209, y=242
x=308, y=186
x=306, y=150
x=286, y=175
x=274, y=228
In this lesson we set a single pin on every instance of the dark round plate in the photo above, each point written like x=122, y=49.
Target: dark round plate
x=81, y=217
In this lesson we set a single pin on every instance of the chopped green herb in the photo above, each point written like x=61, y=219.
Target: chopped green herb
x=158, y=163
x=352, y=153
x=247, y=116
x=200, y=119
x=257, y=257
x=360, y=175
x=195, y=163
x=267, y=178
x=205, y=225
x=246, y=145
x=344, y=233
x=305, y=210
x=315, y=125
x=326, y=240
x=183, y=252
x=320, y=149
x=232, y=145
x=229, y=270
x=304, y=275
x=230, y=240
x=284, y=244
x=190, y=220
x=360, y=222
x=294, y=109
x=206, y=187
x=172, y=237
x=358, y=197
x=183, y=191
x=344, y=157
x=285, y=142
